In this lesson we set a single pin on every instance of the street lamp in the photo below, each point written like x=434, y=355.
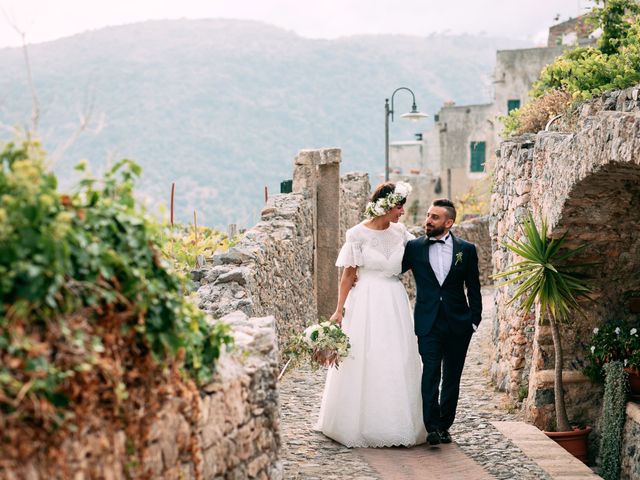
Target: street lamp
x=414, y=115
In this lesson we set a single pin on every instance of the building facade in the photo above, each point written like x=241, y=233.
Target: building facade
x=456, y=157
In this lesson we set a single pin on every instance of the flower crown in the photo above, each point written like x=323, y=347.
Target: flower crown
x=384, y=204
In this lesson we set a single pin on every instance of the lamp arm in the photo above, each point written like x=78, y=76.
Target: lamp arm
x=413, y=97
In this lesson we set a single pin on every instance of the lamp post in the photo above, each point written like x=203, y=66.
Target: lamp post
x=414, y=115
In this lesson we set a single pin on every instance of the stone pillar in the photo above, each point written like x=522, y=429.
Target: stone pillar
x=317, y=173
x=355, y=191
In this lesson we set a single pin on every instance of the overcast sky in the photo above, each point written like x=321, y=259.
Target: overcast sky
x=45, y=20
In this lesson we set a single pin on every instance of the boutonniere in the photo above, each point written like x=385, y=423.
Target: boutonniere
x=458, y=258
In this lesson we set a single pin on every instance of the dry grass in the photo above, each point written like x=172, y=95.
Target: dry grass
x=535, y=114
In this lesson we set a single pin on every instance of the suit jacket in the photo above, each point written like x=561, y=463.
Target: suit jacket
x=460, y=310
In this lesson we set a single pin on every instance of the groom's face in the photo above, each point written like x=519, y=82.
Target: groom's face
x=437, y=222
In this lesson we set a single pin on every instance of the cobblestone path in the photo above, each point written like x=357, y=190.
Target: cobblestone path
x=478, y=445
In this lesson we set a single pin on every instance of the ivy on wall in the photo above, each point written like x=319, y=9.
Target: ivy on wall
x=613, y=417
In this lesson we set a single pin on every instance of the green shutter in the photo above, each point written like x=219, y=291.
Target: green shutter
x=478, y=156
x=512, y=104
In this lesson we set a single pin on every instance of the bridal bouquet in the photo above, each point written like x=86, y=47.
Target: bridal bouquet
x=323, y=344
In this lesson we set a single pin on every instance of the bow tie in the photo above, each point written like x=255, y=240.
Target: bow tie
x=433, y=240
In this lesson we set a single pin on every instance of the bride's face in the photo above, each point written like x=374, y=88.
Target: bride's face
x=395, y=213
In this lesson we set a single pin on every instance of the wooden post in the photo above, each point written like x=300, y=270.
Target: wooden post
x=173, y=189
x=195, y=225
x=266, y=194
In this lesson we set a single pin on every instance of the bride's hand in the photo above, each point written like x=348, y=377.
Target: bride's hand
x=336, y=317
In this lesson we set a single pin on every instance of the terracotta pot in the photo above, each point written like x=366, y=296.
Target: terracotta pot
x=634, y=384
x=574, y=442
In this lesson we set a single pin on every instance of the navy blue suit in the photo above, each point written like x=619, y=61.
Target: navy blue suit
x=443, y=316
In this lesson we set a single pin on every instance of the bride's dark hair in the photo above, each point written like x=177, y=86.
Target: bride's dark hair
x=383, y=190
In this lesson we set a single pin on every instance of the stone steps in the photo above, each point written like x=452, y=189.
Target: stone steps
x=551, y=457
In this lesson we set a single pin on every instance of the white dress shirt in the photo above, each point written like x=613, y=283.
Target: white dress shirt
x=440, y=256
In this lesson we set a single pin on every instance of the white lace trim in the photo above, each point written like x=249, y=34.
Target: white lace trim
x=393, y=441
x=400, y=443
x=350, y=255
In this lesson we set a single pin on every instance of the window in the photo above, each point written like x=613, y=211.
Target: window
x=478, y=156
x=512, y=104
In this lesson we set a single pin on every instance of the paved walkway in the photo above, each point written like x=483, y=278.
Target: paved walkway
x=480, y=451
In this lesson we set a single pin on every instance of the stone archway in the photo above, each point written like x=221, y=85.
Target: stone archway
x=602, y=211
x=586, y=184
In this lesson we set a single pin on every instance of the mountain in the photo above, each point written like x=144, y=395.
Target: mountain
x=221, y=107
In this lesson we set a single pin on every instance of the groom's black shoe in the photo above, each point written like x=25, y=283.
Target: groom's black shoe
x=433, y=438
x=445, y=436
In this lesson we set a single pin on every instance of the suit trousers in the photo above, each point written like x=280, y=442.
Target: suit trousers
x=443, y=352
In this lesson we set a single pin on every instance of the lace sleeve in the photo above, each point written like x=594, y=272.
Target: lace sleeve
x=351, y=252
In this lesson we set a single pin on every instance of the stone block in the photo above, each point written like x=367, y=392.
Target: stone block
x=261, y=462
x=237, y=275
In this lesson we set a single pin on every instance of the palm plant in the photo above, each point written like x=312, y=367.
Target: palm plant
x=548, y=279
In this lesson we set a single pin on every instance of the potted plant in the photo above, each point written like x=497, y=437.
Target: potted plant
x=631, y=360
x=548, y=279
x=616, y=341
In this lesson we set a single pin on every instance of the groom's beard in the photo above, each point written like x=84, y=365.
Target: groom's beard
x=434, y=231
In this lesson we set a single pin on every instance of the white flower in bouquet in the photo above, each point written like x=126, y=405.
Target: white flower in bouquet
x=308, y=334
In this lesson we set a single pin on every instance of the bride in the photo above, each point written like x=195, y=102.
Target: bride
x=374, y=399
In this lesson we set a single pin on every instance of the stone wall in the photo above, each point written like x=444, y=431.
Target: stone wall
x=631, y=443
x=586, y=183
x=269, y=272
x=231, y=431
x=512, y=332
x=476, y=231
x=355, y=191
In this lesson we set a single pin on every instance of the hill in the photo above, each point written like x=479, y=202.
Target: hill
x=222, y=106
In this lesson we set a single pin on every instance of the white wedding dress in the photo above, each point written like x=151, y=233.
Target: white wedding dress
x=374, y=399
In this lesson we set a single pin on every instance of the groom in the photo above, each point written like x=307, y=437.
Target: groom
x=445, y=318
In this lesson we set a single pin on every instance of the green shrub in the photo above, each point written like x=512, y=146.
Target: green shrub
x=586, y=72
x=181, y=245
x=616, y=18
x=90, y=311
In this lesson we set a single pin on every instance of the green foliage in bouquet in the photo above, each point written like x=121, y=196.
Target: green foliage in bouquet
x=613, y=418
x=87, y=302
x=321, y=344
x=613, y=341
